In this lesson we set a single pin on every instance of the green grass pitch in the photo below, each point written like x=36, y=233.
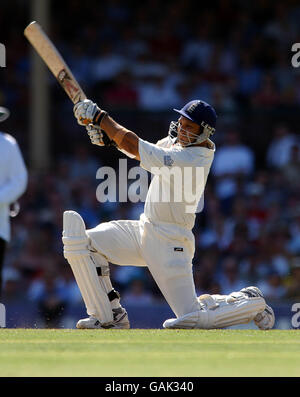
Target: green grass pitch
x=148, y=352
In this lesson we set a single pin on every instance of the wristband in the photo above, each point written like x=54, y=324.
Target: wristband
x=99, y=116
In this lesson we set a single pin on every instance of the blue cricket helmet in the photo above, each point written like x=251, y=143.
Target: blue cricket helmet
x=199, y=112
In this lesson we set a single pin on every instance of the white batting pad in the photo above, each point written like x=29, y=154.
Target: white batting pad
x=220, y=311
x=193, y=320
x=235, y=309
x=79, y=257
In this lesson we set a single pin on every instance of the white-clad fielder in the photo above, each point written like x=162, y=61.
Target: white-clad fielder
x=162, y=238
x=13, y=182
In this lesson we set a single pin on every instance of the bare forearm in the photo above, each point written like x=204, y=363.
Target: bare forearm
x=124, y=138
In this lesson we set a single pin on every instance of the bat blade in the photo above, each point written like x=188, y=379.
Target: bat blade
x=50, y=55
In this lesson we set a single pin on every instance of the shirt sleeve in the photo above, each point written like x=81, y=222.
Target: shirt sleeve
x=16, y=182
x=165, y=142
x=153, y=156
x=132, y=156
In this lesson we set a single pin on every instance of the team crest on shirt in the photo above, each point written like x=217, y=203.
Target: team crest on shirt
x=168, y=161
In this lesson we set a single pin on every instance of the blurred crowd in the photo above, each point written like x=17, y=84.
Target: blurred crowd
x=139, y=60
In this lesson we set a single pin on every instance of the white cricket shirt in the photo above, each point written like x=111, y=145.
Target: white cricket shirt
x=13, y=179
x=179, y=178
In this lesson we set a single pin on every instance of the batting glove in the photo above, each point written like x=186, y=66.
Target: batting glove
x=98, y=136
x=87, y=112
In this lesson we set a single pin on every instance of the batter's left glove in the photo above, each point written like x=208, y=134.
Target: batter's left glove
x=98, y=136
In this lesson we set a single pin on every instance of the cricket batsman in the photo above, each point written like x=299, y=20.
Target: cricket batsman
x=162, y=238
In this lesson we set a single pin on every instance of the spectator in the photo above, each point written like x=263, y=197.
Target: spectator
x=229, y=277
x=294, y=231
x=291, y=170
x=232, y=160
x=268, y=95
x=277, y=250
x=272, y=287
x=256, y=211
x=205, y=272
x=107, y=64
x=50, y=296
x=83, y=165
x=199, y=87
x=137, y=294
x=218, y=233
x=293, y=286
x=132, y=45
x=254, y=267
x=279, y=150
x=155, y=95
x=122, y=94
x=124, y=275
x=197, y=52
x=145, y=67
x=249, y=78
x=12, y=285
x=79, y=62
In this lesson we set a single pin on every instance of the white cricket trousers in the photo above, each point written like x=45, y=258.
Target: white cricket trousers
x=166, y=250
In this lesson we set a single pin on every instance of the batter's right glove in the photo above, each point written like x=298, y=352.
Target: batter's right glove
x=98, y=136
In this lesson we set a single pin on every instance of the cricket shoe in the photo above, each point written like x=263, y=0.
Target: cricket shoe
x=121, y=321
x=265, y=319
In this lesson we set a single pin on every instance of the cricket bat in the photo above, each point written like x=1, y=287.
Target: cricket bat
x=48, y=52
